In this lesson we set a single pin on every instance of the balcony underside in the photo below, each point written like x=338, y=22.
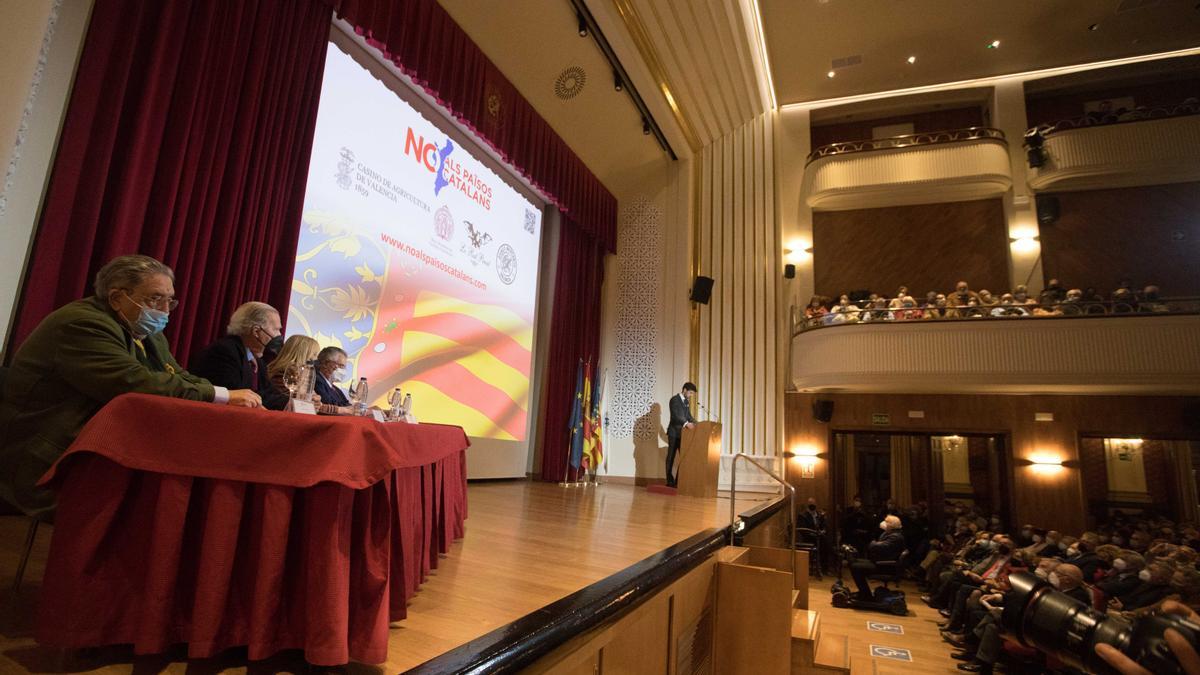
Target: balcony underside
x=1151, y=152
x=1140, y=355
x=925, y=174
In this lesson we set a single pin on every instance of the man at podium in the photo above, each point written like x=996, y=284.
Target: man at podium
x=681, y=417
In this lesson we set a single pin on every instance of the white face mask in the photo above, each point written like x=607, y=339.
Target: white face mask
x=1144, y=575
x=1053, y=579
x=1119, y=565
x=883, y=525
x=1041, y=572
x=338, y=375
x=1073, y=551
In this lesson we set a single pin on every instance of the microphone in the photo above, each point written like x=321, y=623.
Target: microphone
x=706, y=411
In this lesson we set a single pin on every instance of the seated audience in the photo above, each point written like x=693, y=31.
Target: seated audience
x=1052, y=294
x=331, y=369
x=898, y=301
x=962, y=295
x=297, y=352
x=236, y=360
x=815, y=309
x=987, y=300
x=877, y=311
x=80, y=357
x=908, y=310
x=1155, y=586
x=1150, y=302
x=844, y=310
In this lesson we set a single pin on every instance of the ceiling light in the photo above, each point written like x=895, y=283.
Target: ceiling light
x=618, y=84
x=912, y=59
x=1094, y=26
x=994, y=44
x=645, y=126
x=830, y=74
x=583, y=29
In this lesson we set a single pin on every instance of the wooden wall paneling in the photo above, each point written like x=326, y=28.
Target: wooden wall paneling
x=934, y=120
x=1150, y=234
x=927, y=247
x=1045, y=498
x=641, y=646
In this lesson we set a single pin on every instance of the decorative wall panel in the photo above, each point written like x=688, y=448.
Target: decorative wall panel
x=739, y=360
x=639, y=280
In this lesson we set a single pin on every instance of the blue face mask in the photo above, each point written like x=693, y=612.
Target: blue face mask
x=149, y=322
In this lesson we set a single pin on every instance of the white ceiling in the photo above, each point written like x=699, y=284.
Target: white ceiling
x=949, y=39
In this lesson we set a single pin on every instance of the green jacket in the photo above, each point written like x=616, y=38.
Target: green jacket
x=79, y=357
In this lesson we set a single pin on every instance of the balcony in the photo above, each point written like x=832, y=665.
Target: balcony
x=1145, y=147
x=944, y=166
x=1142, y=354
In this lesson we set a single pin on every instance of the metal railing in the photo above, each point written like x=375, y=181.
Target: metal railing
x=1108, y=119
x=735, y=524
x=1072, y=310
x=907, y=141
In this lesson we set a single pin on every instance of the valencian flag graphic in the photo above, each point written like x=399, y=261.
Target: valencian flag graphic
x=417, y=260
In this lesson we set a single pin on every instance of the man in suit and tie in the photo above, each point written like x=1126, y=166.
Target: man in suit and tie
x=236, y=360
x=331, y=369
x=681, y=418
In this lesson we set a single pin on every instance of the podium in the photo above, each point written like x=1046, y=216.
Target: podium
x=699, y=460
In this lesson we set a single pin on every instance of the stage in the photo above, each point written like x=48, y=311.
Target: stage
x=527, y=544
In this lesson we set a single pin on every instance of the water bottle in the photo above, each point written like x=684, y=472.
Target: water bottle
x=396, y=401
x=407, y=407
x=359, y=397
x=306, y=381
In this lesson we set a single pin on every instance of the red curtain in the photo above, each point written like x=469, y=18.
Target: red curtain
x=187, y=138
x=427, y=45
x=575, y=335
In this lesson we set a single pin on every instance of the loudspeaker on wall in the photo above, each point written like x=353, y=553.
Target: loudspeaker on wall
x=701, y=290
x=822, y=410
x=1047, y=210
x=789, y=271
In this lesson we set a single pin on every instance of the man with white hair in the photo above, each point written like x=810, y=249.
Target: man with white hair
x=887, y=547
x=236, y=360
x=80, y=357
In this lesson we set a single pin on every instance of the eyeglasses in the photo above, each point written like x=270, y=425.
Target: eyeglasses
x=159, y=302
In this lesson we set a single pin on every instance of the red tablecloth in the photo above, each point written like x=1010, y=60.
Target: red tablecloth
x=184, y=522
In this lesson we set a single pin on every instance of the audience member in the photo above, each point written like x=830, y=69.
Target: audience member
x=887, y=547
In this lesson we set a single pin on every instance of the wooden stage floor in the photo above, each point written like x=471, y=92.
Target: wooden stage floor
x=527, y=544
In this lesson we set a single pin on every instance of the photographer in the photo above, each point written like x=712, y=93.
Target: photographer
x=888, y=546
x=1180, y=647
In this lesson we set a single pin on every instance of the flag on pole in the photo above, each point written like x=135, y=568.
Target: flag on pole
x=594, y=447
x=576, y=424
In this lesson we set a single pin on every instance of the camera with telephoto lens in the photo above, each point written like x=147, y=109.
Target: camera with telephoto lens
x=1044, y=618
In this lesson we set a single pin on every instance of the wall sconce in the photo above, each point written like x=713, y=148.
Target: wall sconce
x=807, y=458
x=1045, y=464
x=1024, y=244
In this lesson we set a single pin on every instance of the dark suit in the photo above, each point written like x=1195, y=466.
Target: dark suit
x=887, y=547
x=79, y=357
x=225, y=364
x=329, y=393
x=680, y=414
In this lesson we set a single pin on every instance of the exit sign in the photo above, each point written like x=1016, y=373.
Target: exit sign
x=881, y=419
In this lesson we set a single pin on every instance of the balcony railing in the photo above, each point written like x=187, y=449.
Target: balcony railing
x=906, y=141
x=1064, y=310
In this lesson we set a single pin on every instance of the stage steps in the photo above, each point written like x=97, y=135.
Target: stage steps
x=763, y=621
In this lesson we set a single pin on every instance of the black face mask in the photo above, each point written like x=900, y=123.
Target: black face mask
x=273, y=345
x=812, y=507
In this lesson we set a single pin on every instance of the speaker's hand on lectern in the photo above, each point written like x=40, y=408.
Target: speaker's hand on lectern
x=688, y=425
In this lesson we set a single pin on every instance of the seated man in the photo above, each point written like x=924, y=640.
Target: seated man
x=331, y=369
x=80, y=357
x=236, y=360
x=962, y=295
x=887, y=547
